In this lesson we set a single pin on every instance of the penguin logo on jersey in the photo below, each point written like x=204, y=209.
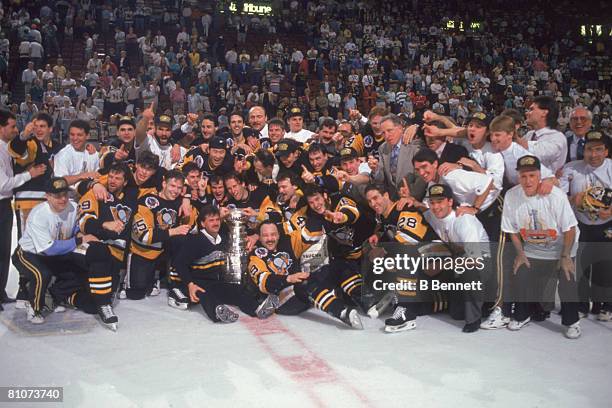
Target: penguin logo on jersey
x=121, y=213
x=344, y=235
x=261, y=252
x=368, y=141
x=166, y=218
x=152, y=202
x=281, y=263
x=199, y=160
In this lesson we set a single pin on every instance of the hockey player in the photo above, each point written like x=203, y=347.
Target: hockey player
x=121, y=147
x=407, y=226
x=156, y=220
x=275, y=268
x=200, y=262
x=109, y=221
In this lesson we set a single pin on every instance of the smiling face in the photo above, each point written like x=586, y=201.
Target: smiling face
x=42, y=131
x=58, y=201
x=317, y=160
x=212, y=224
x=595, y=153
x=318, y=203
x=257, y=118
x=216, y=156
x=350, y=166
x=501, y=140
x=269, y=236
x=116, y=181
x=236, y=124
x=172, y=188
x=235, y=189
x=580, y=122
x=441, y=207
x=426, y=170
x=78, y=138
x=378, y=202
x=286, y=190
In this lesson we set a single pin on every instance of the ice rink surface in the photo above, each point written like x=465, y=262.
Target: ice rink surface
x=163, y=357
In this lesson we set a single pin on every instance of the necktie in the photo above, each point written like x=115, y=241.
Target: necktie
x=580, y=149
x=394, y=157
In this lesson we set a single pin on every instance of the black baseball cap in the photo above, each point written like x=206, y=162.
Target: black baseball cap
x=163, y=120
x=528, y=162
x=296, y=111
x=126, y=120
x=348, y=153
x=217, y=143
x=285, y=147
x=481, y=117
x=439, y=191
x=57, y=185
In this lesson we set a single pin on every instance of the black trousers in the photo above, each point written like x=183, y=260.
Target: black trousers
x=538, y=284
x=223, y=293
x=6, y=230
x=140, y=276
x=595, y=263
x=70, y=279
x=102, y=272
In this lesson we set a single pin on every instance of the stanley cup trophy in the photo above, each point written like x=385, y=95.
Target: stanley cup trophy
x=237, y=256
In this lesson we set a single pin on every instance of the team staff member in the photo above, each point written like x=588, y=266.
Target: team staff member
x=8, y=182
x=544, y=234
x=77, y=161
x=462, y=230
x=588, y=183
x=121, y=147
x=295, y=120
x=159, y=143
x=51, y=233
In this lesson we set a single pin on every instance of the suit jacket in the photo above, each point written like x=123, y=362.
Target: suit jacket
x=452, y=153
x=393, y=182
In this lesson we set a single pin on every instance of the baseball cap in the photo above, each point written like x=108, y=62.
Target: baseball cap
x=217, y=143
x=348, y=153
x=594, y=136
x=481, y=117
x=163, y=120
x=285, y=147
x=296, y=111
x=439, y=191
x=126, y=120
x=57, y=185
x=528, y=162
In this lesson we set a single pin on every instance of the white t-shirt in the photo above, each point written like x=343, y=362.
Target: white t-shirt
x=579, y=176
x=163, y=152
x=467, y=185
x=511, y=156
x=465, y=229
x=302, y=136
x=541, y=221
x=44, y=226
x=69, y=162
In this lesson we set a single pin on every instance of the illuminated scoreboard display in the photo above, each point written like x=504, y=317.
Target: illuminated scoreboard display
x=259, y=8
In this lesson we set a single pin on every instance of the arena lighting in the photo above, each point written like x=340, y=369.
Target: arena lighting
x=592, y=31
x=253, y=8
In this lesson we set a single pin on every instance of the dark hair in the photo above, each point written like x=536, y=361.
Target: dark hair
x=215, y=179
x=189, y=167
x=425, y=155
x=312, y=190
x=276, y=122
x=265, y=157
x=148, y=160
x=375, y=187
x=329, y=123
x=206, y=212
x=232, y=175
x=315, y=148
x=174, y=174
x=236, y=113
x=211, y=117
x=287, y=175
x=548, y=103
x=80, y=124
x=119, y=167
x=5, y=116
x=44, y=116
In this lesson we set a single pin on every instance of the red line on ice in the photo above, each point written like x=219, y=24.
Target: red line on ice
x=304, y=367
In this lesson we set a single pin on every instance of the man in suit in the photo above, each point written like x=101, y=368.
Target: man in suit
x=395, y=160
x=581, y=120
